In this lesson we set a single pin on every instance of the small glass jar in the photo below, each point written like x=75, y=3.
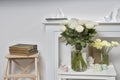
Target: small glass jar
x=105, y=58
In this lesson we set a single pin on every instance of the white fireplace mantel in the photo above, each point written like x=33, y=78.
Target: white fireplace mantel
x=52, y=30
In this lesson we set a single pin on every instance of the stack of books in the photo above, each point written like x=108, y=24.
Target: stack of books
x=23, y=49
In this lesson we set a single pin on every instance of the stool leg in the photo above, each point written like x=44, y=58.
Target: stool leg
x=39, y=69
x=6, y=70
x=36, y=67
x=10, y=67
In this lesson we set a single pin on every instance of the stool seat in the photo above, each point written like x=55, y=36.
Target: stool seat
x=20, y=76
x=24, y=68
x=16, y=56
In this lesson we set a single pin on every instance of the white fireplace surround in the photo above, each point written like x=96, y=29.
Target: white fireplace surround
x=52, y=30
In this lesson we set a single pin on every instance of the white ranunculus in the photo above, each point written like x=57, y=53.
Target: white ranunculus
x=105, y=43
x=98, y=40
x=63, y=28
x=115, y=43
x=108, y=45
x=79, y=28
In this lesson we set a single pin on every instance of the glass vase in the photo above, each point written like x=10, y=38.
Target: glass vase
x=105, y=59
x=78, y=62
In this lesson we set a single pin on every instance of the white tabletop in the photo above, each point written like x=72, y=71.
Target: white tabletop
x=91, y=72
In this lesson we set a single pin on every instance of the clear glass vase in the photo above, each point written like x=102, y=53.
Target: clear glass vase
x=105, y=58
x=78, y=62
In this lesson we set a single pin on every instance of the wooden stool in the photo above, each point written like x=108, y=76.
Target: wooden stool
x=23, y=69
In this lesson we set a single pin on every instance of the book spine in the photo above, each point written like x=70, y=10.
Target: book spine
x=21, y=49
x=14, y=52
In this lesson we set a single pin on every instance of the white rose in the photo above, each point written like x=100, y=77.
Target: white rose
x=73, y=23
x=89, y=25
x=79, y=28
x=82, y=22
x=63, y=28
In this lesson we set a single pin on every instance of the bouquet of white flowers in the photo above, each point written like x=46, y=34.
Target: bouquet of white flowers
x=78, y=33
x=105, y=47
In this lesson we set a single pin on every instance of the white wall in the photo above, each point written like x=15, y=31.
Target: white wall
x=21, y=22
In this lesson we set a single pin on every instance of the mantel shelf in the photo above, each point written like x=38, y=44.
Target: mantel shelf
x=60, y=22
x=109, y=23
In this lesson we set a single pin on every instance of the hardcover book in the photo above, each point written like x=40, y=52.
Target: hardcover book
x=26, y=49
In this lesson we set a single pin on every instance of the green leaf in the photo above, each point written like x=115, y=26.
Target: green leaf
x=83, y=44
